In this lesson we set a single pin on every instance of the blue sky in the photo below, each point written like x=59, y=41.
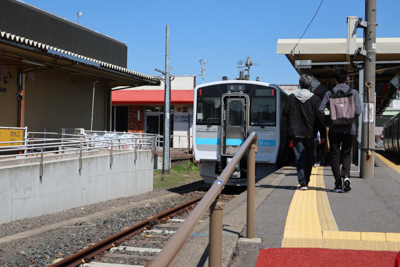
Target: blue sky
x=221, y=31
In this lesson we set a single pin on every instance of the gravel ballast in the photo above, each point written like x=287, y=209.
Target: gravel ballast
x=42, y=249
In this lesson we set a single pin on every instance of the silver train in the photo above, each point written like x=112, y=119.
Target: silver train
x=226, y=112
x=391, y=135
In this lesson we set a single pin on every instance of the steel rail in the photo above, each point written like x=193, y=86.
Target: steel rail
x=89, y=252
x=178, y=239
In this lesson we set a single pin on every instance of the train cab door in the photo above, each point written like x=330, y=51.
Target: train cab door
x=235, y=122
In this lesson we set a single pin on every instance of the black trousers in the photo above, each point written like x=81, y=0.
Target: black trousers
x=318, y=151
x=340, y=147
x=303, y=149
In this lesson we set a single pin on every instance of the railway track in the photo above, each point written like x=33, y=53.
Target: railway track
x=138, y=244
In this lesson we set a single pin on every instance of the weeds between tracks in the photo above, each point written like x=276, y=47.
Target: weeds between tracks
x=183, y=173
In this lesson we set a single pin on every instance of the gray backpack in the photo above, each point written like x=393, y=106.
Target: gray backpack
x=342, y=110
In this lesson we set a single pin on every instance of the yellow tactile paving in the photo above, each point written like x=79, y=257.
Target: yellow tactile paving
x=341, y=235
x=324, y=210
x=302, y=234
x=393, y=246
x=374, y=245
x=388, y=162
x=303, y=220
x=310, y=223
x=373, y=236
x=354, y=244
x=393, y=237
x=301, y=243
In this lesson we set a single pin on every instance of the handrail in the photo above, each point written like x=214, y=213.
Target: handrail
x=165, y=257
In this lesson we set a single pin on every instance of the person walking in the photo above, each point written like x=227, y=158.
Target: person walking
x=340, y=137
x=301, y=108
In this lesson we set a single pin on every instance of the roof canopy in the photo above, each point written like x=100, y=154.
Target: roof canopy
x=32, y=54
x=319, y=57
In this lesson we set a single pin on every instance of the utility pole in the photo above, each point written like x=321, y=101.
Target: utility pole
x=368, y=123
x=167, y=108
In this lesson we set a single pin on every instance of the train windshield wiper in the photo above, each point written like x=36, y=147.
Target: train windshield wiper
x=259, y=123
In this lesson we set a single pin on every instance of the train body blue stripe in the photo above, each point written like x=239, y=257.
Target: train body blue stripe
x=234, y=142
x=266, y=142
x=208, y=141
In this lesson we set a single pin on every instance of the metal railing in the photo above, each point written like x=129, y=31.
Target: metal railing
x=39, y=143
x=165, y=257
x=180, y=144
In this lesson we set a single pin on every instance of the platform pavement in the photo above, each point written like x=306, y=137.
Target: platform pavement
x=373, y=205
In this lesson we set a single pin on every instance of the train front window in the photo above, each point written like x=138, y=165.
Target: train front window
x=208, y=111
x=263, y=107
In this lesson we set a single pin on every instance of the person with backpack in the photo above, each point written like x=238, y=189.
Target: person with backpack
x=344, y=105
x=301, y=109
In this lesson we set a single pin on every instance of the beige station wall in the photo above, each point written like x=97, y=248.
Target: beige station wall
x=8, y=100
x=54, y=99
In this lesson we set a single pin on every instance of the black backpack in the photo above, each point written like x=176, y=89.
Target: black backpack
x=342, y=109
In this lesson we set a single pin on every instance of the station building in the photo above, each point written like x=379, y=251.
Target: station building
x=56, y=74
x=141, y=109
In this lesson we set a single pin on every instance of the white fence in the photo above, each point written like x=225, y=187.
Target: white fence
x=35, y=143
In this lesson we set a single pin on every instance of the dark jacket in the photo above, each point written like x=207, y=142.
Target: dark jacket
x=302, y=116
x=348, y=129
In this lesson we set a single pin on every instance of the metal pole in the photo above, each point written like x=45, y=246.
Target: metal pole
x=361, y=95
x=115, y=118
x=26, y=140
x=91, y=123
x=216, y=223
x=41, y=162
x=80, y=155
x=167, y=108
x=251, y=181
x=368, y=130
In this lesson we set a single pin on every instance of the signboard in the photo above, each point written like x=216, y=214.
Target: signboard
x=181, y=119
x=368, y=115
x=9, y=135
x=396, y=104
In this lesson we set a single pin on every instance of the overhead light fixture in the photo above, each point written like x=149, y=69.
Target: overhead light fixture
x=327, y=68
x=33, y=62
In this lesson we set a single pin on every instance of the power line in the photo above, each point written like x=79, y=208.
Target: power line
x=216, y=75
x=291, y=52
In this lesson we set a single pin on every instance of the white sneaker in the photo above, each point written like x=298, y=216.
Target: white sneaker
x=303, y=186
x=347, y=184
